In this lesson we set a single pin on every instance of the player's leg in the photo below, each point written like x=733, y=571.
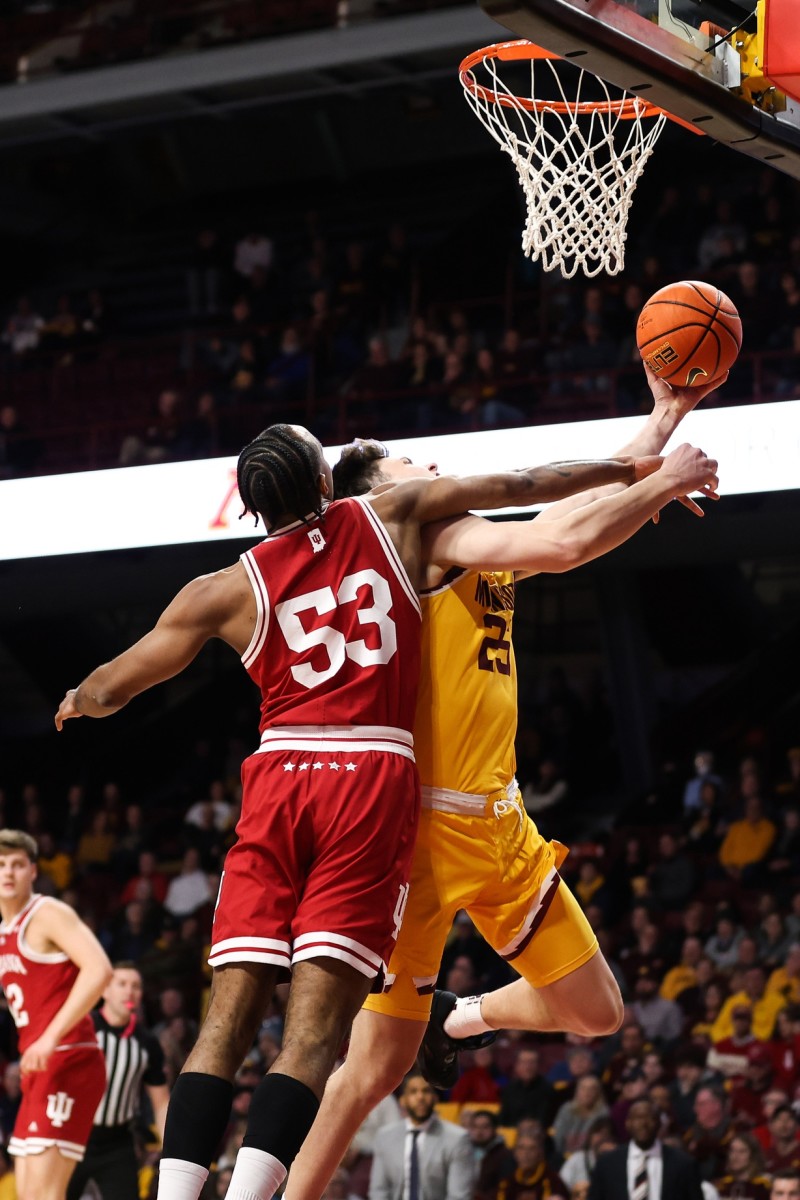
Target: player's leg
x=200, y=1103
x=43, y=1176
x=78, y=1180
x=324, y=999
x=382, y=1050
x=566, y=985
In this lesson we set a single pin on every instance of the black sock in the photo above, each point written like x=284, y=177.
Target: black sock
x=198, y=1114
x=281, y=1113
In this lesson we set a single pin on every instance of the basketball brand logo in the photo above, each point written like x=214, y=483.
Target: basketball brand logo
x=693, y=374
x=664, y=356
x=317, y=540
x=400, y=909
x=59, y=1108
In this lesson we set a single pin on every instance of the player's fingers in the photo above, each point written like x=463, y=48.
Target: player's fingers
x=656, y=517
x=690, y=504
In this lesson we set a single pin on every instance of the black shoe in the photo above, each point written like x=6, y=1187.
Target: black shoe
x=438, y=1054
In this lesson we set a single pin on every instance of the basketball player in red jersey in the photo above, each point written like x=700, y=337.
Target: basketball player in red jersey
x=53, y=971
x=325, y=617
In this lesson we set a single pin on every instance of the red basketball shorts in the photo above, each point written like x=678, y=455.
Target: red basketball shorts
x=322, y=861
x=59, y=1103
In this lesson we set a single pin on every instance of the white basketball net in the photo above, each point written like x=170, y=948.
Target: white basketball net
x=578, y=162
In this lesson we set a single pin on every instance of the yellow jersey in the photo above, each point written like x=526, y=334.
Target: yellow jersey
x=466, y=718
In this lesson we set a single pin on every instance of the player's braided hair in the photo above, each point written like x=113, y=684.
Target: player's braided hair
x=358, y=468
x=278, y=473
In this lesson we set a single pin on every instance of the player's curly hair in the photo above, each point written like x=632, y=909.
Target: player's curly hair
x=278, y=473
x=358, y=469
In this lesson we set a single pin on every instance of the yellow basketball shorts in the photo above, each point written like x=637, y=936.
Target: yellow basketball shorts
x=490, y=859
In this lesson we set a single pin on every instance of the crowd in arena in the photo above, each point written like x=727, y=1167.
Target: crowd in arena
x=698, y=914
x=358, y=332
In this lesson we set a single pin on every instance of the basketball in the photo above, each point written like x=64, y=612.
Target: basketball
x=689, y=333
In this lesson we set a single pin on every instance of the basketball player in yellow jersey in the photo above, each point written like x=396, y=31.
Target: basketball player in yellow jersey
x=476, y=848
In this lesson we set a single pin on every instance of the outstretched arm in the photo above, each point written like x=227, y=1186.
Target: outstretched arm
x=578, y=536
x=670, y=406
x=426, y=500
x=203, y=609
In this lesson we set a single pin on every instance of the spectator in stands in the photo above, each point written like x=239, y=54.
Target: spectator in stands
x=724, y=238
x=744, y=1171
x=784, y=1046
x=532, y=1179
x=748, y=841
x=253, y=250
x=765, y=1006
x=723, y=945
x=786, y=1186
x=205, y=273
x=132, y=934
x=198, y=435
x=672, y=875
x=573, y=1119
x=747, y=1095
x=157, y=443
x=288, y=372
x=770, y=1101
x=547, y=789
x=704, y=824
x=54, y=863
x=60, y=333
x=528, y=1093
x=773, y=941
x=190, y=889
x=784, y=857
x=479, y=1083
x=95, y=848
x=782, y=1151
x=728, y=1056
x=23, y=330
x=576, y=1171
x=130, y=841
x=704, y=773
x=661, y=1020
x=634, y=1087
x=149, y=884
x=684, y=974
x=707, y=1138
x=629, y=1056
x=788, y=786
x=493, y=1159
x=578, y=1062
x=690, y=1069
x=20, y=451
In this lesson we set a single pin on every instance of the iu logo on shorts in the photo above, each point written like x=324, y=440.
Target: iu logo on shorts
x=59, y=1108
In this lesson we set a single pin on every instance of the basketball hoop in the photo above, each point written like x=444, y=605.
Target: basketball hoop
x=578, y=159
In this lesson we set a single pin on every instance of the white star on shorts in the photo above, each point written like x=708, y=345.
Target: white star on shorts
x=350, y=766
x=334, y=766
x=303, y=767
x=318, y=766
x=288, y=766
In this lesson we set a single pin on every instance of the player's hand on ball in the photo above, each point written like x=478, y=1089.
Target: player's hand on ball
x=67, y=709
x=680, y=400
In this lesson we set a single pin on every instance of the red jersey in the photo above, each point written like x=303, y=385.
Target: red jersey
x=337, y=635
x=36, y=985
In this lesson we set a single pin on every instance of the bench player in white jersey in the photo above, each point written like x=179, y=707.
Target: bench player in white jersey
x=53, y=971
x=325, y=617
x=476, y=848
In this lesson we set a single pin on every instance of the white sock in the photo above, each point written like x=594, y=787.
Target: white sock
x=465, y=1020
x=256, y=1175
x=180, y=1180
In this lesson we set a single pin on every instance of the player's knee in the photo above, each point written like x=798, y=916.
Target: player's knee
x=605, y=1015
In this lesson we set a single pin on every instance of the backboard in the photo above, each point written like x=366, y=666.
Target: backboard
x=711, y=77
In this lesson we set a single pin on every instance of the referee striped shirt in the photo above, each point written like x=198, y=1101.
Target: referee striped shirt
x=133, y=1057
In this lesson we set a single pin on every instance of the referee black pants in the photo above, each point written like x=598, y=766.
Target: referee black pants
x=111, y=1162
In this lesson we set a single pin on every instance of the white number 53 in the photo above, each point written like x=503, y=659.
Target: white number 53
x=337, y=648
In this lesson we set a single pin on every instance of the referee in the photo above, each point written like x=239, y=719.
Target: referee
x=133, y=1057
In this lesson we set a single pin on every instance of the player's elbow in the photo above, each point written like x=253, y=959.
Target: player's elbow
x=561, y=553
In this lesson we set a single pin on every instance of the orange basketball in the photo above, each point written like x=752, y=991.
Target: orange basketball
x=689, y=333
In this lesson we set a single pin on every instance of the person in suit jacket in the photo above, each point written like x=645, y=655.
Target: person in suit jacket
x=421, y=1157
x=644, y=1168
